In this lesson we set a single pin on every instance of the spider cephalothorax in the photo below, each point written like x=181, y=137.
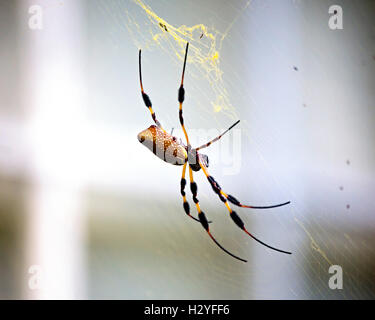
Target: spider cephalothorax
x=194, y=157
x=171, y=150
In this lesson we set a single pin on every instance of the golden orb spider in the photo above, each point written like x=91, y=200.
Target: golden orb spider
x=167, y=148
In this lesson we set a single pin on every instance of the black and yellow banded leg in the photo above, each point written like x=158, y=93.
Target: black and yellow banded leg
x=232, y=199
x=185, y=203
x=236, y=219
x=146, y=98
x=218, y=137
x=183, y=185
x=202, y=216
x=181, y=98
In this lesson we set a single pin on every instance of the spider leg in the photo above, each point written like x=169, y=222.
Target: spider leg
x=185, y=203
x=217, y=138
x=202, y=216
x=231, y=198
x=145, y=97
x=236, y=219
x=181, y=98
x=183, y=185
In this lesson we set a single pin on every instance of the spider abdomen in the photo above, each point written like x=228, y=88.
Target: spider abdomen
x=163, y=145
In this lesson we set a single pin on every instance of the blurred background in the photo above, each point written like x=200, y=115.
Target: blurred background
x=86, y=212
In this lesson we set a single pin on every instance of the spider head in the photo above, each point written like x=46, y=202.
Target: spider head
x=193, y=157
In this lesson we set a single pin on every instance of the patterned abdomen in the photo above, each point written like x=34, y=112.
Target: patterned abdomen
x=163, y=145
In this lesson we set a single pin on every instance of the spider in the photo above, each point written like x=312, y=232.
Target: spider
x=169, y=149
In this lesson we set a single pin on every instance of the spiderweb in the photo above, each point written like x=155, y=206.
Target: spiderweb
x=317, y=239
